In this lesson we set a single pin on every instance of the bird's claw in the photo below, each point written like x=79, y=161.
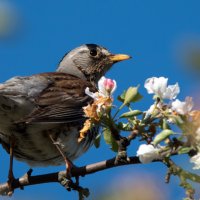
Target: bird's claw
x=65, y=182
x=70, y=185
x=10, y=182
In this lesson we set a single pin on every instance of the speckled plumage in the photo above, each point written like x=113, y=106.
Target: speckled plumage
x=54, y=107
x=33, y=107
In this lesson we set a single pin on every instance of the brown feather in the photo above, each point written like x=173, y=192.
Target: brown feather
x=62, y=100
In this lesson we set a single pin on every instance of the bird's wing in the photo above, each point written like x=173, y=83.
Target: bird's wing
x=17, y=96
x=61, y=101
x=29, y=86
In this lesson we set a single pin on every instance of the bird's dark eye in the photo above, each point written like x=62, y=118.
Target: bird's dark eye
x=93, y=52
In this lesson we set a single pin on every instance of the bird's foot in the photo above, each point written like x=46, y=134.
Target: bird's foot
x=69, y=167
x=10, y=182
x=69, y=184
x=68, y=162
x=66, y=179
x=11, y=177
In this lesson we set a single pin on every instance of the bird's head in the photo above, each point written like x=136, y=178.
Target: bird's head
x=89, y=61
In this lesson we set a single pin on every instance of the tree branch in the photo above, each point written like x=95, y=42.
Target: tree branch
x=28, y=180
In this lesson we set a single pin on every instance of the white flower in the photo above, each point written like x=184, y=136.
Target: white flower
x=183, y=107
x=147, y=153
x=154, y=108
x=106, y=86
x=171, y=92
x=91, y=94
x=151, y=110
x=196, y=160
x=158, y=86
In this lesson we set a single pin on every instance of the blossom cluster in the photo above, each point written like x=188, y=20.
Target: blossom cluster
x=102, y=103
x=155, y=126
x=99, y=110
x=162, y=91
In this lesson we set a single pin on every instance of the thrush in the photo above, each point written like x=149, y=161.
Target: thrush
x=41, y=115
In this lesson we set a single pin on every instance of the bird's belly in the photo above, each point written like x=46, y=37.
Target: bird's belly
x=35, y=147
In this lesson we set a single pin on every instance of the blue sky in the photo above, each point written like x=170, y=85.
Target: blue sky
x=153, y=32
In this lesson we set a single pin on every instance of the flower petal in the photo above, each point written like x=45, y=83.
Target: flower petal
x=106, y=86
x=183, y=107
x=114, y=87
x=147, y=153
x=156, y=85
x=196, y=161
x=91, y=94
x=149, y=85
x=101, y=85
x=171, y=92
x=160, y=86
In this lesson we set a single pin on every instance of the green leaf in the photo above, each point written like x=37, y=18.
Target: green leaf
x=110, y=140
x=122, y=96
x=134, y=95
x=184, y=150
x=177, y=119
x=131, y=93
x=165, y=125
x=162, y=136
x=131, y=114
x=137, y=97
x=97, y=141
x=124, y=126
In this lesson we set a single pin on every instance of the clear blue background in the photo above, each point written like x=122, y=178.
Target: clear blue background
x=153, y=32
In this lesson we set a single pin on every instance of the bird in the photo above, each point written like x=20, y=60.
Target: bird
x=41, y=115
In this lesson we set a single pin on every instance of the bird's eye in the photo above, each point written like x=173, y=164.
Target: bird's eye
x=93, y=52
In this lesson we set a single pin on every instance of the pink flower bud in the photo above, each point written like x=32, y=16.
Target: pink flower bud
x=109, y=84
x=106, y=86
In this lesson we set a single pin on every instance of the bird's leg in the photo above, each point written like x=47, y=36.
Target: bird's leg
x=68, y=163
x=11, y=177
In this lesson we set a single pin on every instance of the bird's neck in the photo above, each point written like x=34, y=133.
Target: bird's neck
x=70, y=69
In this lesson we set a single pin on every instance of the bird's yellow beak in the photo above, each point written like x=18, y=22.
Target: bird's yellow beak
x=119, y=57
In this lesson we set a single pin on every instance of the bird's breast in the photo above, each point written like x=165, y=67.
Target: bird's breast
x=34, y=146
